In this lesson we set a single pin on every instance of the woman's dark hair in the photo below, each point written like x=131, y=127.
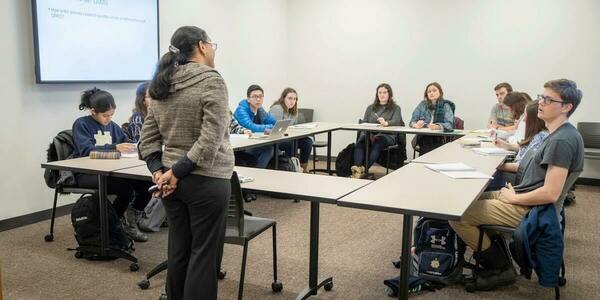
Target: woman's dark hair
x=99, y=100
x=517, y=102
x=533, y=124
x=390, y=102
x=184, y=43
x=252, y=88
x=281, y=101
x=140, y=96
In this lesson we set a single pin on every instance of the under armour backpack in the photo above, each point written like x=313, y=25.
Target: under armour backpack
x=439, y=252
x=85, y=217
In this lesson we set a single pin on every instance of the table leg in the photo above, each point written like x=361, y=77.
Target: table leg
x=367, y=142
x=406, y=257
x=313, y=272
x=328, y=152
x=103, y=214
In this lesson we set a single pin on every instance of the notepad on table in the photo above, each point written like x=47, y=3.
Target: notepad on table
x=451, y=167
x=304, y=126
x=244, y=179
x=493, y=151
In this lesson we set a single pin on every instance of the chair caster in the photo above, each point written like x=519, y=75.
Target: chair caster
x=470, y=287
x=134, y=267
x=328, y=286
x=163, y=297
x=221, y=274
x=144, y=284
x=49, y=237
x=78, y=254
x=277, y=286
x=562, y=281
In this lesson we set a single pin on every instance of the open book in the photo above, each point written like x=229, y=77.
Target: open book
x=493, y=151
x=457, y=171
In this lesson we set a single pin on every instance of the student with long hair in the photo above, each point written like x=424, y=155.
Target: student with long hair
x=189, y=118
x=140, y=111
x=286, y=108
x=435, y=113
x=385, y=112
x=97, y=132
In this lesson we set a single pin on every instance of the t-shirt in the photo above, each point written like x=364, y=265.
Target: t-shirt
x=563, y=148
x=502, y=115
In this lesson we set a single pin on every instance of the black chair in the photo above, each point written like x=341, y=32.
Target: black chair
x=508, y=231
x=400, y=142
x=590, y=132
x=240, y=229
x=62, y=145
x=459, y=124
x=305, y=115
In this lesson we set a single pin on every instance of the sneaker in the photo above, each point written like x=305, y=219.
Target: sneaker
x=488, y=280
x=357, y=172
x=130, y=225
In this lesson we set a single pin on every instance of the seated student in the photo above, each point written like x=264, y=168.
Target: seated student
x=515, y=102
x=136, y=121
x=251, y=115
x=385, y=112
x=286, y=108
x=435, y=113
x=535, y=133
x=541, y=176
x=500, y=116
x=86, y=130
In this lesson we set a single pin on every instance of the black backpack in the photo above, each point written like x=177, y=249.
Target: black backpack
x=397, y=155
x=85, y=217
x=344, y=161
x=60, y=148
x=439, y=252
x=283, y=164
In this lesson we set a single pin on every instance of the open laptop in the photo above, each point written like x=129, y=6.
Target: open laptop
x=276, y=132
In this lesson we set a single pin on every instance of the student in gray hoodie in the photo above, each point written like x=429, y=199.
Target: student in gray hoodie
x=189, y=117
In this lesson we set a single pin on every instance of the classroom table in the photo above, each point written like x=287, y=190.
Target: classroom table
x=294, y=185
x=415, y=190
x=103, y=168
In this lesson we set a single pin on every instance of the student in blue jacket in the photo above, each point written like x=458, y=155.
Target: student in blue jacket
x=251, y=115
x=97, y=132
x=435, y=113
x=541, y=176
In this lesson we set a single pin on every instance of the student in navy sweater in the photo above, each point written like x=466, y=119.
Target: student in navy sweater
x=97, y=132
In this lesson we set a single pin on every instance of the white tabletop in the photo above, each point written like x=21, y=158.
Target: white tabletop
x=455, y=153
x=304, y=186
x=403, y=129
x=417, y=190
x=94, y=166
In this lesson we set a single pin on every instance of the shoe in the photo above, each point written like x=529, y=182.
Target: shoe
x=488, y=280
x=358, y=172
x=304, y=167
x=132, y=216
x=498, y=270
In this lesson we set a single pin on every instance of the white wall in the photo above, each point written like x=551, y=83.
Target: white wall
x=333, y=52
x=251, y=37
x=343, y=49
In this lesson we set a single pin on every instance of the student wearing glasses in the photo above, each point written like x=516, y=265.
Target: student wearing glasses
x=435, y=113
x=185, y=143
x=251, y=115
x=542, y=176
x=385, y=112
x=286, y=108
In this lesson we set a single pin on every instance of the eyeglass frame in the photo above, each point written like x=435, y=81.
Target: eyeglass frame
x=546, y=100
x=257, y=97
x=212, y=45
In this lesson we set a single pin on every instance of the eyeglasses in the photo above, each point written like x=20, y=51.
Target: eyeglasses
x=213, y=45
x=257, y=97
x=547, y=100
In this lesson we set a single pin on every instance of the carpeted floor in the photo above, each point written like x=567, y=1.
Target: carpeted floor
x=356, y=248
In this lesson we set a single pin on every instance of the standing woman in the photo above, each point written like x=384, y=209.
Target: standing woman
x=189, y=117
x=385, y=112
x=286, y=108
x=435, y=113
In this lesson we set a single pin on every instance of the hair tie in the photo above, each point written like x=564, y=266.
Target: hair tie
x=174, y=49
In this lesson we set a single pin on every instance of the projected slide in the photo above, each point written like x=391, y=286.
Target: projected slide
x=96, y=40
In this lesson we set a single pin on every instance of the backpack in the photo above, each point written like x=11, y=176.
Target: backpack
x=85, y=217
x=439, y=252
x=397, y=155
x=283, y=164
x=60, y=148
x=296, y=163
x=153, y=216
x=344, y=161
